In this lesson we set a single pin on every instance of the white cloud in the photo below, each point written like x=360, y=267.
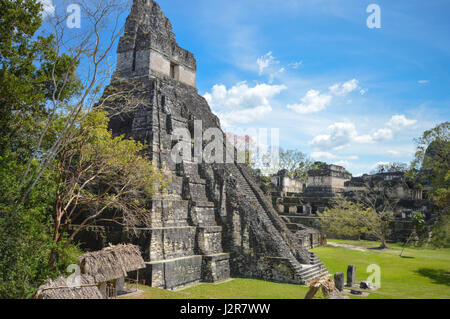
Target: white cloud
x=312, y=102
x=322, y=155
x=399, y=122
x=242, y=104
x=363, y=139
x=383, y=134
x=336, y=159
x=345, y=164
x=245, y=116
x=345, y=88
x=48, y=9
x=363, y=91
x=394, y=153
x=296, y=65
x=341, y=134
x=265, y=61
x=274, y=74
x=423, y=81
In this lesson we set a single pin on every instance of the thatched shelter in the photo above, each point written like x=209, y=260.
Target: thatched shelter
x=59, y=289
x=102, y=275
x=111, y=264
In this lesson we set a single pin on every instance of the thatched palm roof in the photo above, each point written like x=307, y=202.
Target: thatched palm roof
x=59, y=289
x=111, y=263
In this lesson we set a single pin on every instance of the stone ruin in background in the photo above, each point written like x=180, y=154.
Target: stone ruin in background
x=297, y=202
x=214, y=222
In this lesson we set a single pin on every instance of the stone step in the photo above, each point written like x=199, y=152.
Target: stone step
x=309, y=273
x=202, y=203
x=312, y=272
x=318, y=274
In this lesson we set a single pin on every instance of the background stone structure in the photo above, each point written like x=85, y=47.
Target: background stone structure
x=410, y=196
x=298, y=206
x=297, y=201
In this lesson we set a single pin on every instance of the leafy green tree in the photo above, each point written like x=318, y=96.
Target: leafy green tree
x=25, y=233
x=431, y=166
x=393, y=167
x=432, y=163
x=342, y=219
x=100, y=175
x=22, y=234
x=25, y=88
x=296, y=163
x=43, y=106
x=419, y=225
x=30, y=71
x=346, y=218
x=440, y=236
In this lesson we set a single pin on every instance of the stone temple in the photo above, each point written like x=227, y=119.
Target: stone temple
x=214, y=222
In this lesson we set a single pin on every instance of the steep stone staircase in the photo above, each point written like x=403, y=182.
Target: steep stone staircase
x=303, y=272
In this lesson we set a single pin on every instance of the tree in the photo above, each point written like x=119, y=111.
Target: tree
x=343, y=218
x=348, y=218
x=50, y=80
x=296, y=163
x=101, y=178
x=432, y=163
x=90, y=47
x=24, y=232
x=24, y=90
x=393, y=167
x=381, y=198
x=441, y=232
x=26, y=79
x=418, y=225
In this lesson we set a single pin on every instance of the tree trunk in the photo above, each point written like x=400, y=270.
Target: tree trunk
x=312, y=292
x=383, y=243
x=406, y=244
x=52, y=259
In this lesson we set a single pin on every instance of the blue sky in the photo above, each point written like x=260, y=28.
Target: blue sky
x=337, y=90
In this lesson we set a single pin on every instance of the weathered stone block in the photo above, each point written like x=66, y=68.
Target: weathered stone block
x=171, y=274
x=365, y=285
x=210, y=240
x=351, y=275
x=339, y=280
x=216, y=267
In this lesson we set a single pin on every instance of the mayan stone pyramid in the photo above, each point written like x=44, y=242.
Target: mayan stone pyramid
x=214, y=222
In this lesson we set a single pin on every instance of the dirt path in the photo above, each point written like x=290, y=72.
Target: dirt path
x=333, y=244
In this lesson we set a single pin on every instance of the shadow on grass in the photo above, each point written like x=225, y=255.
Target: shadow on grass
x=440, y=276
x=408, y=257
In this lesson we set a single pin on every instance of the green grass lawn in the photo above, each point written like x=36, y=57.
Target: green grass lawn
x=238, y=288
x=421, y=273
